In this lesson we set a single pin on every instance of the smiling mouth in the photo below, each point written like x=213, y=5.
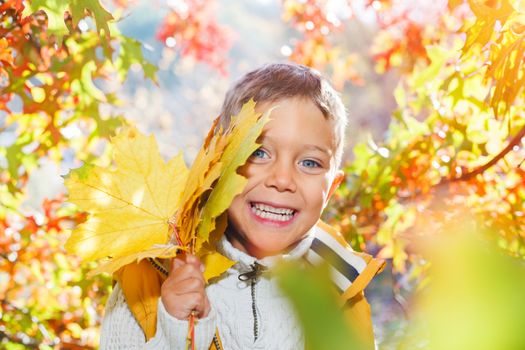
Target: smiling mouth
x=269, y=212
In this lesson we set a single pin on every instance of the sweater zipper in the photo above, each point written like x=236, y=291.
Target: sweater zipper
x=253, y=276
x=254, y=311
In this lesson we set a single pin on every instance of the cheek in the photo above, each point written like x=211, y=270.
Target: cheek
x=236, y=204
x=316, y=193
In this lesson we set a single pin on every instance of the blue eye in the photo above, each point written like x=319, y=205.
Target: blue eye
x=310, y=163
x=259, y=153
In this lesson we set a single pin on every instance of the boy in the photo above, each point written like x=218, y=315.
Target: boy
x=290, y=179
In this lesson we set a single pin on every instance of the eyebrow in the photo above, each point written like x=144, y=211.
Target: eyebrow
x=324, y=150
x=319, y=148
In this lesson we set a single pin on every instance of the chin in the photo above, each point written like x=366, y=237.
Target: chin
x=264, y=249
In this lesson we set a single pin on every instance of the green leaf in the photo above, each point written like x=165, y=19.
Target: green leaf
x=130, y=52
x=316, y=307
x=13, y=153
x=99, y=14
x=438, y=57
x=400, y=96
x=16, y=157
x=87, y=82
x=54, y=10
x=106, y=127
x=82, y=173
x=362, y=157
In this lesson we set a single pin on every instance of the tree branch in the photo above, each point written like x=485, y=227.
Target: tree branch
x=515, y=141
x=467, y=176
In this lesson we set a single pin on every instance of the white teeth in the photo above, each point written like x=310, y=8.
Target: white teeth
x=271, y=213
x=267, y=208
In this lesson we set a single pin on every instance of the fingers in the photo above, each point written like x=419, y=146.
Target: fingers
x=186, y=259
x=176, y=263
x=198, y=300
x=184, y=272
x=190, y=285
x=181, y=306
x=202, y=307
x=207, y=308
x=183, y=292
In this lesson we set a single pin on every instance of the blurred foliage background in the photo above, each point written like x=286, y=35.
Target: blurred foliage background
x=434, y=90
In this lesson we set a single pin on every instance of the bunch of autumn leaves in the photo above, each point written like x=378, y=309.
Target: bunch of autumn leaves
x=147, y=208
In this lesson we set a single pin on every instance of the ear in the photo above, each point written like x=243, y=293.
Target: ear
x=339, y=177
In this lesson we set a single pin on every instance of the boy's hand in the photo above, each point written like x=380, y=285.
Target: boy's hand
x=183, y=291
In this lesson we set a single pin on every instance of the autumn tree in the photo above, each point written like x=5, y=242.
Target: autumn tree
x=455, y=140
x=52, y=57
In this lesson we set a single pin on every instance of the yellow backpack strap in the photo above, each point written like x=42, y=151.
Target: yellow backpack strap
x=350, y=271
x=140, y=283
x=216, y=344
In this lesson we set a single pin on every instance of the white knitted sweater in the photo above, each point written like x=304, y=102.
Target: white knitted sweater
x=231, y=312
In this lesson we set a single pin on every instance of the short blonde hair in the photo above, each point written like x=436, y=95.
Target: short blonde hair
x=277, y=81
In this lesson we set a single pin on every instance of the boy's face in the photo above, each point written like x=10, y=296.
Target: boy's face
x=290, y=178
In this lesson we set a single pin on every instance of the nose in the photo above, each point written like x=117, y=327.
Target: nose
x=281, y=176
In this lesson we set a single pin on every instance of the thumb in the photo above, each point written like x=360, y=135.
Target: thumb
x=175, y=263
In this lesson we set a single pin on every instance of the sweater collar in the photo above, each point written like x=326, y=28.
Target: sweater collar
x=245, y=261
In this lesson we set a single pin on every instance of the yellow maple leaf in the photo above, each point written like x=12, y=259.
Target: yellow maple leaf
x=147, y=208
x=505, y=46
x=129, y=206
x=157, y=251
x=222, y=154
x=215, y=263
x=245, y=128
